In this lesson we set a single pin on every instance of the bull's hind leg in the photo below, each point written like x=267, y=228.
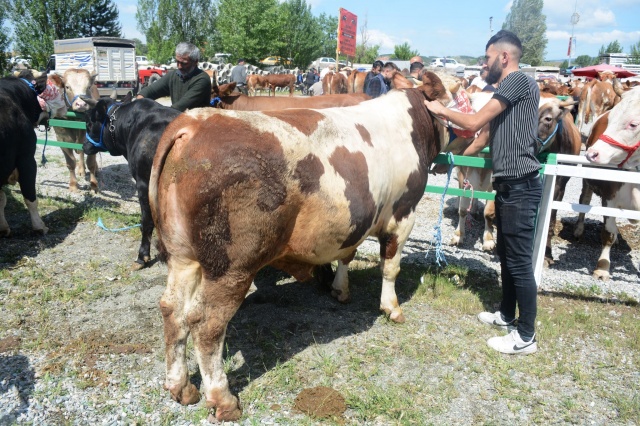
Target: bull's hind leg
x=488, y=243
x=182, y=282
x=609, y=235
x=340, y=285
x=70, y=158
x=585, y=198
x=5, y=231
x=27, y=170
x=208, y=318
x=391, y=244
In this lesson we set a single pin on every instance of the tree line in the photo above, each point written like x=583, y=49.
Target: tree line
x=249, y=29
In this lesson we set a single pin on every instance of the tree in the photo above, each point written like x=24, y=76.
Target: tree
x=634, y=53
x=583, y=60
x=141, y=48
x=302, y=31
x=365, y=54
x=5, y=40
x=100, y=19
x=165, y=23
x=249, y=28
x=328, y=35
x=527, y=21
x=613, y=47
x=37, y=23
x=403, y=52
x=564, y=64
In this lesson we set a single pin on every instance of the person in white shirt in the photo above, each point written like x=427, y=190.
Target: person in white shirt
x=326, y=71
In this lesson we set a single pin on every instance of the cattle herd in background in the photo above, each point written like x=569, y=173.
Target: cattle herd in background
x=293, y=182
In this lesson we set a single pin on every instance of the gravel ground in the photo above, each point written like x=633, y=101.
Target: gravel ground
x=29, y=394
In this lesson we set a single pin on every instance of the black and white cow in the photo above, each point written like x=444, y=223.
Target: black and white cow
x=19, y=113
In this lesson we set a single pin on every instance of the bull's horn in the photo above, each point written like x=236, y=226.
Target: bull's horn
x=91, y=102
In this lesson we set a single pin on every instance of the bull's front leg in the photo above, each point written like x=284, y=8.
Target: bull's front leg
x=92, y=165
x=391, y=245
x=182, y=280
x=463, y=206
x=208, y=319
x=609, y=236
x=585, y=198
x=488, y=242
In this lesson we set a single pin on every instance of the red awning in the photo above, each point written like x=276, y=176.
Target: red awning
x=593, y=71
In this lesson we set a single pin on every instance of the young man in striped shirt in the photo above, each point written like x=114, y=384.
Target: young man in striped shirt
x=512, y=114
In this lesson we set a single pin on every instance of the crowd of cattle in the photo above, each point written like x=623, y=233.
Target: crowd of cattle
x=292, y=182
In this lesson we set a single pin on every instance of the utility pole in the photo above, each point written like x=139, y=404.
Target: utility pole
x=490, y=26
x=574, y=20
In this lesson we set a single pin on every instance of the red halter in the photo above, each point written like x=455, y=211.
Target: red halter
x=630, y=149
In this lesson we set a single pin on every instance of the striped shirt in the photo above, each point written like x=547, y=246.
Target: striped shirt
x=513, y=132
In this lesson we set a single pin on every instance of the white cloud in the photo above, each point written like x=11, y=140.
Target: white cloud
x=386, y=42
x=606, y=37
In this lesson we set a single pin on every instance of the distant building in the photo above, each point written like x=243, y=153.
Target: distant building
x=619, y=60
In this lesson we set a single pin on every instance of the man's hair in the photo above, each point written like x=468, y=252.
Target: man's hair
x=416, y=66
x=377, y=64
x=391, y=66
x=240, y=60
x=188, y=49
x=507, y=38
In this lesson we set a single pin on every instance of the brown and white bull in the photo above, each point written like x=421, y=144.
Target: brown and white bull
x=617, y=144
x=232, y=192
x=275, y=81
x=78, y=85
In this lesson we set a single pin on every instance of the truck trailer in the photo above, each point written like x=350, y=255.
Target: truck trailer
x=112, y=58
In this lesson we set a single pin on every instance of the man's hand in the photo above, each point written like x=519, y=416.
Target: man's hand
x=437, y=108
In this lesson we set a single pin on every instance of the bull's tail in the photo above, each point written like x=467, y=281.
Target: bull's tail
x=176, y=130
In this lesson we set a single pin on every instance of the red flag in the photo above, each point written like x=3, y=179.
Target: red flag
x=569, y=50
x=347, y=27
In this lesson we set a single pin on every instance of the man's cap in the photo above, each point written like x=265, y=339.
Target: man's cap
x=240, y=60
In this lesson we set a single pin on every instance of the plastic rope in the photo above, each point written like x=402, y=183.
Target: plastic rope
x=101, y=225
x=43, y=160
x=437, y=228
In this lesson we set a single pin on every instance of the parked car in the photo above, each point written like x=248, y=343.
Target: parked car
x=322, y=63
x=445, y=62
x=275, y=60
x=142, y=61
x=566, y=72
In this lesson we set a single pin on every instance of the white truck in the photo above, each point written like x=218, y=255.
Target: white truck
x=112, y=58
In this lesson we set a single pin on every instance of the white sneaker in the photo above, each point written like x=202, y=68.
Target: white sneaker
x=496, y=320
x=513, y=344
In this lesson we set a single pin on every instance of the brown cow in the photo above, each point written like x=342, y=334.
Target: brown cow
x=280, y=80
x=614, y=139
x=355, y=81
x=317, y=184
x=256, y=82
x=78, y=84
x=334, y=83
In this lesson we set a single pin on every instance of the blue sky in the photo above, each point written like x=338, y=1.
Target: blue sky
x=462, y=27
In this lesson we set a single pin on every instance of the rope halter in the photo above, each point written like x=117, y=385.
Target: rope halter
x=112, y=118
x=629, y=149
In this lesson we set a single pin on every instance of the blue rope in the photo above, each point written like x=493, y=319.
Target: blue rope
x=437, y=228
x=101, y=225
x=43, y=161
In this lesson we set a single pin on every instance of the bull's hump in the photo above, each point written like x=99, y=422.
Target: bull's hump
x=305, y=121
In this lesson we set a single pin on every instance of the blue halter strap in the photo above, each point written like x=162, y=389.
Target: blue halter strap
x=543, y=143
x=215, y=101
x=100, y=144
x=30, y=84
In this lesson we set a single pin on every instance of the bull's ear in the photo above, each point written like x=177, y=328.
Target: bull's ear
x=93, y=77
x=127, y=98
x=229, y=89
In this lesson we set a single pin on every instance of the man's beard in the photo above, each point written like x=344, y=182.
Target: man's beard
x=495, y=72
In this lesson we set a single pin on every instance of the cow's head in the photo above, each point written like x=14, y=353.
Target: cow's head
x=596, y=98
x=620, y=141
x=551, y=111
x=79, y=86
x=100, y=125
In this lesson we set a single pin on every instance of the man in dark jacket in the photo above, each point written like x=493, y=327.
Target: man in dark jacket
x=374, y=82
x=188, y=86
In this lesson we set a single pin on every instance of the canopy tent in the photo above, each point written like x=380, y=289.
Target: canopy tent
x=593, y=71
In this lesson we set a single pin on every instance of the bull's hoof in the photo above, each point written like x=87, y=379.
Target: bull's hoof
x=226, y=412
x=601, y=275
x=73, y=187
x=577, y=233
x=548, y=261
x=41, y=231
x=136, y=266
x=5, y=232
x=488, y=245
x=187, y=396
x=340, y=296
x=394, y=314
x=455, y=241
x=94, y=187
